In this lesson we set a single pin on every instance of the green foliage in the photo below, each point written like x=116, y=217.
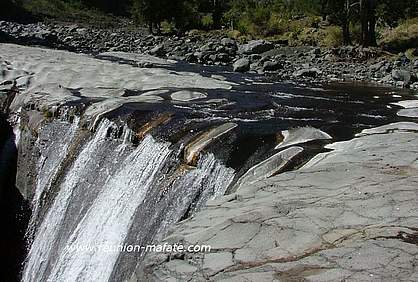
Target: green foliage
x=182, y=13
x=391, y=12
x=67, y=11
x=333, y=37
x=403, y=37
x=207, y=21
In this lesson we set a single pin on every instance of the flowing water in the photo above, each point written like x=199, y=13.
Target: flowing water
x=125, y=180
x=98, y=198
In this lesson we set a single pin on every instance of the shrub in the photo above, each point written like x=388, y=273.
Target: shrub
x=168, y=27
x=234, y=34
x=207, y=21
x=332, y=37
x=67, y=11
x=401, y=38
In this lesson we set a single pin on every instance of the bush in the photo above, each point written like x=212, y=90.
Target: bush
x=67, y=11
x=168, y=27
x=401, y=38
x=234, y=34
x=207, y=21
x=332, y=37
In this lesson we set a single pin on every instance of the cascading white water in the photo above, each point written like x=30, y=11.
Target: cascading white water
x=108, y=220
x=209, y=180
x=50, y=161
x=97, y=199
x=47, y=232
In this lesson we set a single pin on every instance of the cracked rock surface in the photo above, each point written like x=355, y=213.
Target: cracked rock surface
x=348, y=215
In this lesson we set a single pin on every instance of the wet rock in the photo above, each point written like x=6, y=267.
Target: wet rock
x=192, y=150
x=268, y=167
x=157, y=51
x=222, y=57
x=411, y=113
x=256, y=47
x=403, y=76
x=399, y=126
x=228, y=42
x=242, y=65
x=272, y=66
x=302, y=135
x=407, y=104
x=186, y=95
x=377, y=66
x=311, y=72
x=191, y=58
x=85, y=73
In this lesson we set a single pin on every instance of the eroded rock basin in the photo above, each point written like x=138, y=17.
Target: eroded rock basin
x=119, y=147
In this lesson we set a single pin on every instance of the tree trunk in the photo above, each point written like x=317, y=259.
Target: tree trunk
x=372, y=23
x=346, y=33
x=158, y=26
x=363, y=20
x=368, y=22
x=150, y=27
x=345, y=24
x=324, y=12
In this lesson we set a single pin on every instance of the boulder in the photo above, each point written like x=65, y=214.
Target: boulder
x=377, y=66
x=254, y=58
x=269, y=167
x=242, y=65
x=256, y=47
x=157, y=50
x=311, y=72
x=193, y=149
x=302, y=135
x=223, y=57
x=228, y=42
x=272, y=66
x=403, y=76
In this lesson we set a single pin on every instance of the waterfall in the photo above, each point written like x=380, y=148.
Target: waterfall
x=108, y=220
x=97, y=202
x=208, y=180
x=125, y=174
x=52, y=156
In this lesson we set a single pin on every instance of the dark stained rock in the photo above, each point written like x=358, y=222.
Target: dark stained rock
x=242, y=65
x=311, y=72
x=256, y=47
x=272, y=66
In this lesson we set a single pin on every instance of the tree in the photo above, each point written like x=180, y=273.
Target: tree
x=368, y=22
x=149, y=12
x=154, y=12
x=340, y=12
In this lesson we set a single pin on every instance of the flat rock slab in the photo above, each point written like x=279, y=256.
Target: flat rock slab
x=268, y=167
x=302, y=135
x=407, y=104
x=411, y=112
x=399, y=126
x=349, y=216
x=51, y=78
x=186, y=95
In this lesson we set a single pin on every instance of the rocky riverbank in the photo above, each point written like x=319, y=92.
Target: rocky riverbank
x=273, y=59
